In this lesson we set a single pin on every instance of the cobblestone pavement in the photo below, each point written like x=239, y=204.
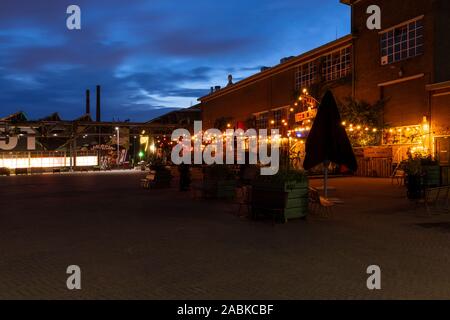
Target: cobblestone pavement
x=139, y=244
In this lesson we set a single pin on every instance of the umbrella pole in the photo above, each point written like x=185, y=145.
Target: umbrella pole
x=325, y=182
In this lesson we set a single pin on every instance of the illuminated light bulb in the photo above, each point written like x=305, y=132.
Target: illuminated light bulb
x=367, y=129
x=344, y=123
x=375, y=130
x=358, y=127
x=229, y=125
x=272, y=122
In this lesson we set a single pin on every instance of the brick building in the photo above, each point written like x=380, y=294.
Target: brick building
x=405, y=63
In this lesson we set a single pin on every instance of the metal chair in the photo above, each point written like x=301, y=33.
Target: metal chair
x=319, y=204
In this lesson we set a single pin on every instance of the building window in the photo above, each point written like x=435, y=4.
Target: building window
x=337, y=64
x=278, y=118
x=262, y=121
x=402, y=42
x=305, y=75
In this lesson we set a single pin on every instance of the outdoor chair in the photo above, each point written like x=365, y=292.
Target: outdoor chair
x=399, y=177
x=442, y=202
x=436, y=200
x=148, y=180
x=320, y=205
x=243, y=198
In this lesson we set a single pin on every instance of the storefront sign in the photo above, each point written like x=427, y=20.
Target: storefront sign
x=310, y=114
x=378, y=153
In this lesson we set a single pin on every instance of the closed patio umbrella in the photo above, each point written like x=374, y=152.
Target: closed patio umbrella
x=328, y=141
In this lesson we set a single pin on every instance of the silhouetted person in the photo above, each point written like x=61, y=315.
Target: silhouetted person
x=185, y=177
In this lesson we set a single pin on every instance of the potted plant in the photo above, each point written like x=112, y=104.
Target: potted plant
x=431, y=171
x=163, y=175
x=421, y=172
x=219, y=182
x=294, y=183
x=414, y=177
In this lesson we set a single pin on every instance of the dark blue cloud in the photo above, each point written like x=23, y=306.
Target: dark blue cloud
x=149, y=56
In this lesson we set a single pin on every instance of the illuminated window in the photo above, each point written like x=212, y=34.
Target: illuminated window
x=262, y=120
x=337, y=64
x=278, y=117
x=305, y=75
x=402, y=42
x=86, y=161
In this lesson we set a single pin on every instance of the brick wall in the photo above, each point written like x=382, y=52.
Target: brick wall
x=370, y=73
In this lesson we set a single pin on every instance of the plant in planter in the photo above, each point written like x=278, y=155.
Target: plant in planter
x=219, y=182
x=421, y=172
x=4, y=172
x=292, y=183
x=414, y=177
x=431, y=172
x=163, y=175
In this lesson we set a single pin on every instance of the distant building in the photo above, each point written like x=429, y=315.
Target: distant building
x=51, y=143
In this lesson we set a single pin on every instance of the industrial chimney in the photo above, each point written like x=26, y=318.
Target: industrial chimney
x=98, y=118
x=230, y=80
x=88, y=102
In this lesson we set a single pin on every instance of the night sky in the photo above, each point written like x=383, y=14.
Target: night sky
x=149, y=56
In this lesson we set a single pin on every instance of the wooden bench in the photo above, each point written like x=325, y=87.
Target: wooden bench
x=318, y=204
x=268, y=203
x=5, y=172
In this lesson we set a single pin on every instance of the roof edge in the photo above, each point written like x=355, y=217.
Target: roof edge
x=278, y=68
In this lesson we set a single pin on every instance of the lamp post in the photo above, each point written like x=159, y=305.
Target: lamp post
x=118, y=145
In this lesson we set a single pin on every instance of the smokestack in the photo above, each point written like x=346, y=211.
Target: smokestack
x=98, y=118
x=88, y=102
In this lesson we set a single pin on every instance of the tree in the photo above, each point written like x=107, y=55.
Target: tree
x=364, y=121
x=222, y=123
